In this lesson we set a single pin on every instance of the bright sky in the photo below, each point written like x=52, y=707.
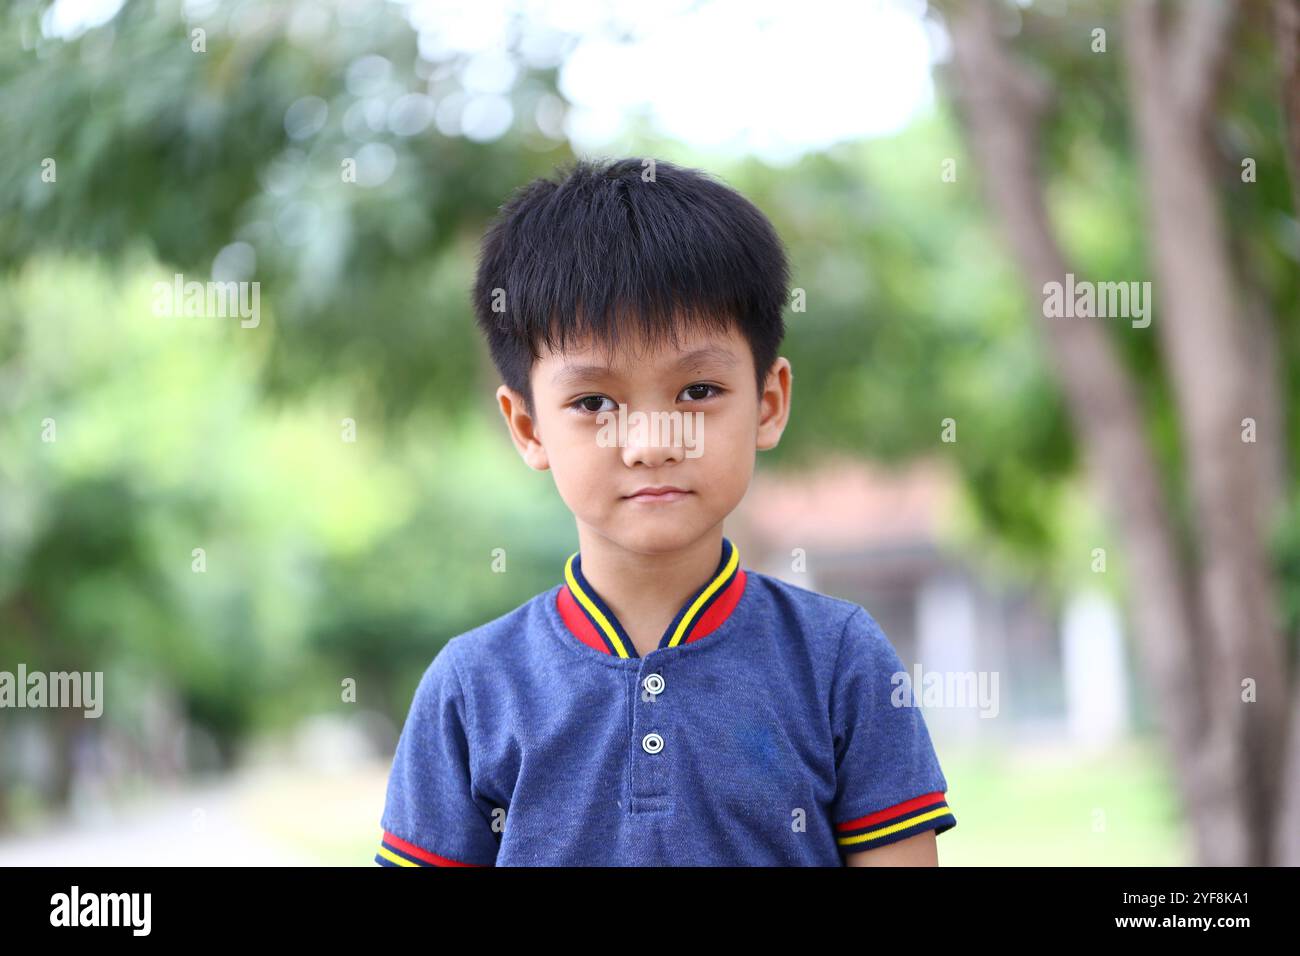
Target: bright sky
x=769, y=77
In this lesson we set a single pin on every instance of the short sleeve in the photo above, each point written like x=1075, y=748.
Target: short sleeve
x=431, y=816
x=889, y=785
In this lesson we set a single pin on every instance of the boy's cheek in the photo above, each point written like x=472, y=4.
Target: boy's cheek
x=581, y=493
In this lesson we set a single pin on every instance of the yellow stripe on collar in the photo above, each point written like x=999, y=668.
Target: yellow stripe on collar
x=717, y=582
x=591, y=608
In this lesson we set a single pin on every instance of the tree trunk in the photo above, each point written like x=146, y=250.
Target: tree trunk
x=1205, y=621
x=1203, y=342
x=1287, y=34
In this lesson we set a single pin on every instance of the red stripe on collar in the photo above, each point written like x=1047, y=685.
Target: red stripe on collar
x=721, y=609
x=578, y=622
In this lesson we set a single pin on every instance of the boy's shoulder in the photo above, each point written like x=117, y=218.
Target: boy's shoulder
x=491, y=638
x=831, y=628
x=804, y=601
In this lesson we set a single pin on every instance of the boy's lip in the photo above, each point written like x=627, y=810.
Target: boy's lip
x=658, y=493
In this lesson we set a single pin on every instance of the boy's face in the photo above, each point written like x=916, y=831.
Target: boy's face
x=706, y=449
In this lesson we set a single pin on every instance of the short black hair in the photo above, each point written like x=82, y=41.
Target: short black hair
x=605, y=251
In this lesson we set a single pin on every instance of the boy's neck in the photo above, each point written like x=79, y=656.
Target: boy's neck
x=645, y=591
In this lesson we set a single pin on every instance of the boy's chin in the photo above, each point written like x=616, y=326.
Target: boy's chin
x=658, y=536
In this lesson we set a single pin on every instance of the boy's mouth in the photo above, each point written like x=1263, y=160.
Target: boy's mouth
x=658, y=493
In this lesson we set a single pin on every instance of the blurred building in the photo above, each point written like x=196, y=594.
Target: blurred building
x=877, y=537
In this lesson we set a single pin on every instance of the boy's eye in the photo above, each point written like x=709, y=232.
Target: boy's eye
x=591, y=404
x=583, y=404
x=691, y=390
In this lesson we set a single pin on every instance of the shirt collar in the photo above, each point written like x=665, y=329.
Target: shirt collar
x=591, y=621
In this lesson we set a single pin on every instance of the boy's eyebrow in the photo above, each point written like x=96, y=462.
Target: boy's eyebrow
x=691, y=361
x=701, y=358
x=576, y=374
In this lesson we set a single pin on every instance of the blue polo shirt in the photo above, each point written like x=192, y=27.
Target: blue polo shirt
x=767, y=728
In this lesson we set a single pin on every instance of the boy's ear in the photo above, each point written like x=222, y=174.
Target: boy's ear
x=774, y=404
x=523, y=428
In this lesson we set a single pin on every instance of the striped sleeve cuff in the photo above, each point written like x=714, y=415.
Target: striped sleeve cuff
x=927, y=812
x=394, y=851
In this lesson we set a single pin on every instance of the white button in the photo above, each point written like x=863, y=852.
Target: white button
x=653, y=684
x=652, y=743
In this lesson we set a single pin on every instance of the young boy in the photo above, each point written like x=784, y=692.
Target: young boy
x=662, y=704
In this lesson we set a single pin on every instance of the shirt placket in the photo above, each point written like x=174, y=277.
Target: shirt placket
x=651, y=743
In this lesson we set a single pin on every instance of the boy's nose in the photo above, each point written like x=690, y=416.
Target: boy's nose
x=652, y=455
x=655, y=444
